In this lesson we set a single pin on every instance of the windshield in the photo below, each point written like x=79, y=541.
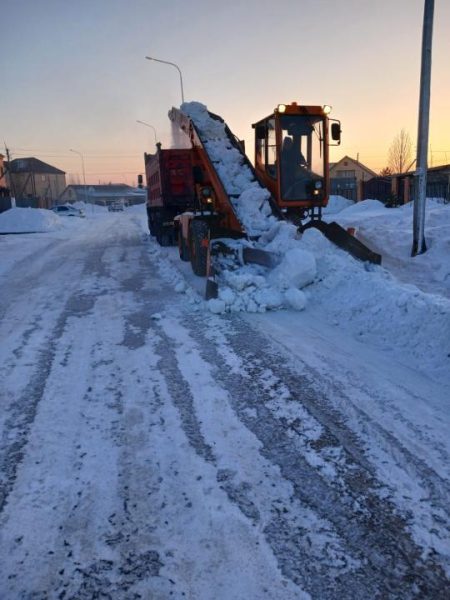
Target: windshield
x=302, y=161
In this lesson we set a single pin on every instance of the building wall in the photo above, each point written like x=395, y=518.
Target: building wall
x=344, y=168
x=45, y=186
x=348, y=169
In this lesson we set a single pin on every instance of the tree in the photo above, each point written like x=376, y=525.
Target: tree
x=400, y=153
x=386, y=172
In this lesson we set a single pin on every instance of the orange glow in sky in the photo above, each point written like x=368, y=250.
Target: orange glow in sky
x=76, y=76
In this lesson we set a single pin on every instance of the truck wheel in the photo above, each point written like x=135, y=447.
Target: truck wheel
x=165, y=238
x=198, y=246
x=183, y=248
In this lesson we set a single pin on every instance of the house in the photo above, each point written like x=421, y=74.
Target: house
x=34, y=182
x=347, y=177
x=103, y=194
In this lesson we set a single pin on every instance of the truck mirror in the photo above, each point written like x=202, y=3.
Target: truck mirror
x=336, y=131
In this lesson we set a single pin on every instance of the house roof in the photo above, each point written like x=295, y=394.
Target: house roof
x=33, y=165
x=356, y=162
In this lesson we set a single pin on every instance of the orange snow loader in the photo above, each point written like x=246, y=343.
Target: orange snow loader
x=188, y=202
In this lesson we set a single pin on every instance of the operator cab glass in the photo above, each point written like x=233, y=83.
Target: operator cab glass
x=301, y=157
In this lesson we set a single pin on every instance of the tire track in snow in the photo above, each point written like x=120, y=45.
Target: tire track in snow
x=22, y=411
x=374, y=531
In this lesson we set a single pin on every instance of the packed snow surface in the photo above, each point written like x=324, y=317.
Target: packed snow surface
x=151, y=449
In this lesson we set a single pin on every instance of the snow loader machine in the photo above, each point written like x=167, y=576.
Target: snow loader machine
x=189, y=201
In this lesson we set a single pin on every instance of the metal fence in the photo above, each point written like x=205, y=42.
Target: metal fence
x=377, y=188
x=440, y=190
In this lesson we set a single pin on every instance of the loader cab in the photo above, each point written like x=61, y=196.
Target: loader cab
x=291, y=155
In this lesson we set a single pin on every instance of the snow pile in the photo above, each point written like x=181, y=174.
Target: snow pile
x=369, y=303
x=389, y=231
x=249, y=200
x=336, y=204
x=29, y=220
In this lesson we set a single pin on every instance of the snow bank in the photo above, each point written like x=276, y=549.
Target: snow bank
x=336, y=204
x=368, y=302
x=29, y=220
x=389, y=231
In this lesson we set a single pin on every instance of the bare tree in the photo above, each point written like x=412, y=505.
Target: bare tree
x=385, y=172
x=400, y=153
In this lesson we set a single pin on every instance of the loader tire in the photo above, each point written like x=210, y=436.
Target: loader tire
x=198, y=246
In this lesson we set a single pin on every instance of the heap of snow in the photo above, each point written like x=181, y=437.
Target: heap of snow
x=29, y=220
x=389, y=232
x=371, y=304
x=249, y=199
x=336, y=204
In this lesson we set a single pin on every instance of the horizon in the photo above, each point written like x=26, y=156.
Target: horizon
x=76, y=77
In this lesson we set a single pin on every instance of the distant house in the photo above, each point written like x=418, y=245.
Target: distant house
x=34, y=182
x=103, y=194
x=347, y=177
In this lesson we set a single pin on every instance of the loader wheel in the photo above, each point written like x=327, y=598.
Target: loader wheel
x=198, y=246
x=183, y=248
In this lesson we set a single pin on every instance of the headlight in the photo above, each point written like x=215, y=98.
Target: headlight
x=318, y=185
x=281, y=108
x=327, y=109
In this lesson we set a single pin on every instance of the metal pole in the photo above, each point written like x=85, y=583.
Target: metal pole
x=419, y=245
x=84, y=174
x=166, y=62
x=148, y=125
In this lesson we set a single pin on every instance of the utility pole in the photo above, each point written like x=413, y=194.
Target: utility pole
x=419, y=245
x=11, y=182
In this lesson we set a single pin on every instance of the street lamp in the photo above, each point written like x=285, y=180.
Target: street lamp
x=148, y=125
x=166, y=62
x=84, y=174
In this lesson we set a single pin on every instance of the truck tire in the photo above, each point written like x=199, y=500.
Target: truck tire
x=198, y=246
x=165, y=238
x=183, y=247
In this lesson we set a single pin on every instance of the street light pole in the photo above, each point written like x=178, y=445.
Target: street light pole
x=419, y=245
x=84, y=174
x=148, y=125
x=166, y=62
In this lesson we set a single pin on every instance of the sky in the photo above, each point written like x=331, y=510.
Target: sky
x=74, y=75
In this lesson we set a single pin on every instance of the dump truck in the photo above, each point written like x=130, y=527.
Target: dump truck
x=194, y=202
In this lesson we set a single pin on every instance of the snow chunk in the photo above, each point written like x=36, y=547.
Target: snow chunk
x=296, y=299
x=216, y=306
x=297, y=269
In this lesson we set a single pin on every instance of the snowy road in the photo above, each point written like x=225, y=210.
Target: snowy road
x=152, y=450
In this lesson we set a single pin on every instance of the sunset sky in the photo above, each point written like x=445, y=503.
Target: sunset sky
x=74, y=74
